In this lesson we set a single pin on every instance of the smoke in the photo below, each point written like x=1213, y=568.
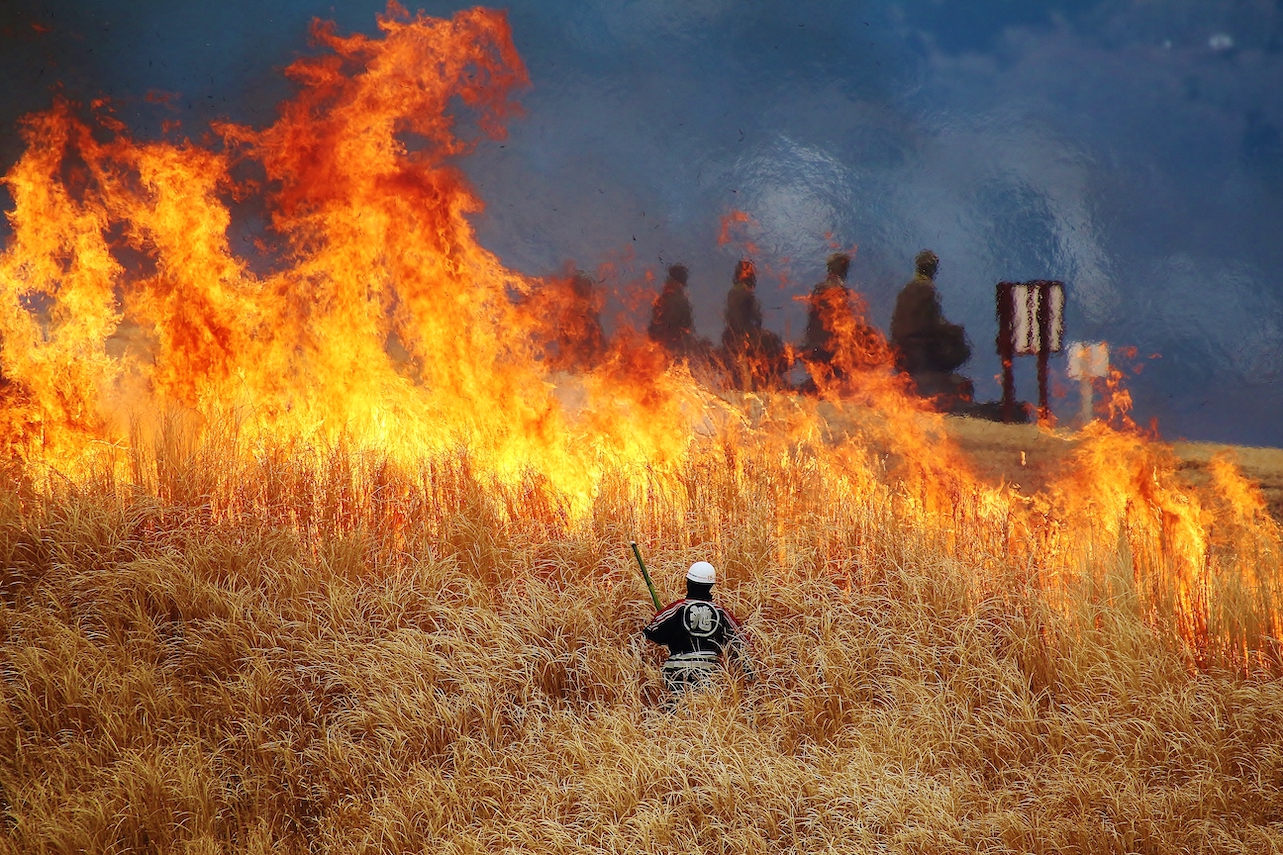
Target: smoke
x=1133, y=150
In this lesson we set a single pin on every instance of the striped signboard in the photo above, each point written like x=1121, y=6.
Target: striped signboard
x=1031, y=321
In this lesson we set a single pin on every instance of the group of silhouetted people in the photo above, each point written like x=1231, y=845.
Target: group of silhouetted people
x=837, y=345
x=838, y=341
x=750, y=356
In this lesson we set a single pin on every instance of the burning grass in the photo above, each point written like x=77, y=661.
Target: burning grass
x=367, y=316
x=352, y=656
x=250, y=632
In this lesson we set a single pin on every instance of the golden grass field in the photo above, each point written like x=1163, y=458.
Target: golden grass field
x=275, y=657
x=996, y=451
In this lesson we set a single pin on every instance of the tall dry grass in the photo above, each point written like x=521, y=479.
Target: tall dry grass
x=327, y=653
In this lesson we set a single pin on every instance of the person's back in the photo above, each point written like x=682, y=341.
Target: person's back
x=743, y=311
x=579, y=338
x=563, y=315
x=754, y=357
x=917, y=311
x=828, y=305
x=672, y=320
x=924, y=341
x=697, y=632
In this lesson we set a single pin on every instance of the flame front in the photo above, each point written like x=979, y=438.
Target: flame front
x=367, y=313
x=379, y=249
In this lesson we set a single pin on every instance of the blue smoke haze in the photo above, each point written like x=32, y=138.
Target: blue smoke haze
x=1133, y=150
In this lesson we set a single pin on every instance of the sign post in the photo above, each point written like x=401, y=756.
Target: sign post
x=1031, y=320
x=1087, y=361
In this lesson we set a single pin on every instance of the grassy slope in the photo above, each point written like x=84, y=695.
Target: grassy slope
x=476, y=683
x=996, y=450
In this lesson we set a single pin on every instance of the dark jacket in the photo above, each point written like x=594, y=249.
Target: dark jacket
x=829, y=305
x=696, y=626
x=923, y=339
x=743, y=318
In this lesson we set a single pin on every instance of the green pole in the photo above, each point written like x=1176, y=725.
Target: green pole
x=649, y=584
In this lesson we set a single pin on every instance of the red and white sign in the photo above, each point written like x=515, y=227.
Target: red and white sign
x=1026, y=298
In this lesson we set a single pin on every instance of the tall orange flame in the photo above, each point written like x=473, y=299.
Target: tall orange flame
x=360, y=187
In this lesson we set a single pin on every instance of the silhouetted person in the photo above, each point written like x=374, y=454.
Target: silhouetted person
x=672, y=321
x=754, y=356
x=828, y=300
x=928, y=347
x=580, y=340
x=838, y=340
x=924, y=340
x=743, y=311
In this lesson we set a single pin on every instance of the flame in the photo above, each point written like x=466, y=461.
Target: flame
x=379, y=248
x=366, y=313
x=734, y=230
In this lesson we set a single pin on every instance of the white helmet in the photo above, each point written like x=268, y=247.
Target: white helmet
x=702, y=572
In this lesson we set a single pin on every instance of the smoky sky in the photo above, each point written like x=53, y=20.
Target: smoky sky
x=1133, y=150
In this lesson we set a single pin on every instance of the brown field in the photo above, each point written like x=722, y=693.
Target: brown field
x=354, y=658
x=996, y=450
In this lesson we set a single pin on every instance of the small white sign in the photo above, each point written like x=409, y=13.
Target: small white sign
x=1088, y=359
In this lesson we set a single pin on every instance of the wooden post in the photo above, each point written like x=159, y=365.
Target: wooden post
x=1007, y=346
x=1044, y=347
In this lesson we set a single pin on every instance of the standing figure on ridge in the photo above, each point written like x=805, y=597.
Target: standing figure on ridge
x=581, y=342
x=672, y=321
x=838, y=339
x=565, y=316
x=928, y=347
x=697, y=632
x=754, y=356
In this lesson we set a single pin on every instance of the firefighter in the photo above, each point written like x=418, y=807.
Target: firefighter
x=578, y=341
x=839, y=342
x=743, y=311
x=829, y=301
x=924, y=341
x=698, y=634
x=928, y=347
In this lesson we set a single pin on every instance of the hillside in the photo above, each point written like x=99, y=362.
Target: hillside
x=1027, y=456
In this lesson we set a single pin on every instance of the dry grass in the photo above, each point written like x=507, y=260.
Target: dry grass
x=348, y=658
x=997, y=452
x=1264, y=466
